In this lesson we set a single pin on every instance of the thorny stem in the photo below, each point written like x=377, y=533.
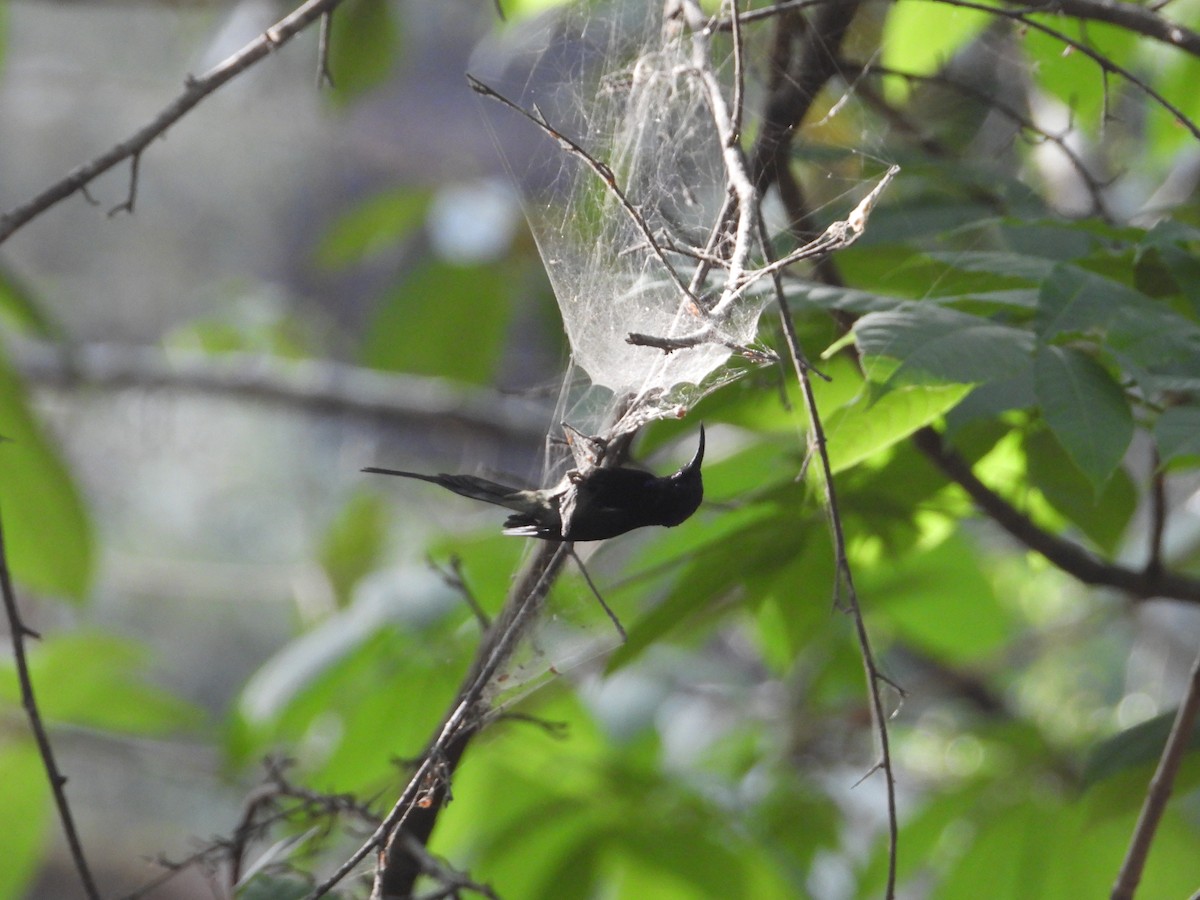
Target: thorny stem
x=19, y=632
x=750, y=220
x=791, y=99
x=845, y=578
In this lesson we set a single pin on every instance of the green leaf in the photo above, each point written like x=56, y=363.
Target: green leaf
x=1184, y=268
x=1133, y=748
x=364, y=46
x=1086, y=410
x=354, y=543
x=1103, y=516
x=940, y=601
x=47, y=535
x=17, y=302
x=922, y=37
x=1022, y=266
x=752, y=540
x=401, y=676
x=859, y=431
x=25, y=806
x=1007, y=859
x=97, y=681
x=446, y=320
x=1156, y=346
x=515, y=11
x=1178, y=433
x=933, y=343
x=373, y=227
x=1075, y=301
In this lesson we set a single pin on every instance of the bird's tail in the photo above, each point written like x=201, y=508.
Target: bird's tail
x=469, y=486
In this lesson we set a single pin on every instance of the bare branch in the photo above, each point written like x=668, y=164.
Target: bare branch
x=1074, y=560
x=195, y=90
x=324, y=73
x=1104, y=62
x=1159, y=791
x=1131, y=16
x=311, y=386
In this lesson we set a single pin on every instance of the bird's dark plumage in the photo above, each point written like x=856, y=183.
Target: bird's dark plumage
x=590, y=506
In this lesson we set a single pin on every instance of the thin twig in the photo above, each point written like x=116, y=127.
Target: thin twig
x=1159, y=791
x=324, y=72
x=1138, y=18
x=195, y=90
x=788, y=104
x=845, y=578
x=19, y=632
x=604, y=172
x=135, y=169
x=427, y=786
x=452, y=576
x=599, y=597
x=1035, y=133
x=1104, y=62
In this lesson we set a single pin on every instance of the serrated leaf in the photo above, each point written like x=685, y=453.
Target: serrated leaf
x=932, y=343
x=47, y=534
x=1074, y=301
x=1087, y=411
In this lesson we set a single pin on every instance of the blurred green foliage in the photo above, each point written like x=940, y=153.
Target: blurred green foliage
x=716, y=753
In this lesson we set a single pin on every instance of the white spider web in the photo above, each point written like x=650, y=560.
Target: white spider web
x=621, y=85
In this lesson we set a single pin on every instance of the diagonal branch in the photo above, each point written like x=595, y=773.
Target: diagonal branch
x=1159, y=792
x=1104, y=62
x=1131, y=16
x=1143, y=584
x=195, y=90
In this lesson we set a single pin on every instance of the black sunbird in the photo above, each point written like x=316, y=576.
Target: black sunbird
x=589, y=504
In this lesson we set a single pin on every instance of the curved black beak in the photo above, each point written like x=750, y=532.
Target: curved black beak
x=698, y=458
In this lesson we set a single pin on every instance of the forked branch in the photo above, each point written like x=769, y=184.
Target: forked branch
x=195, y=89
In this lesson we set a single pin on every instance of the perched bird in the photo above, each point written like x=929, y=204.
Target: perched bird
x=587, y=505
